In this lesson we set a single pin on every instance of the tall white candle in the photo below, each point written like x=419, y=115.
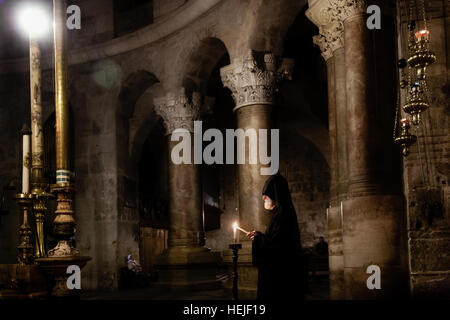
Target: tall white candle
x=234, y=232
x=26, y=160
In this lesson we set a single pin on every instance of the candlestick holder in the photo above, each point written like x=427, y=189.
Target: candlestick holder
x=25, y=247
x=235, y=249
x=39, y=209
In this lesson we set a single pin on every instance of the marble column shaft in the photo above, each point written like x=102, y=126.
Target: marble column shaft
x=335, y=232
x=363, y=174
x=332, y=128
x=185, y=199
x=341, y=123
x=252, y=214
x=366, y=227
x=373, y=214
x=253, y=82
x=186, y=263
x=331, y=42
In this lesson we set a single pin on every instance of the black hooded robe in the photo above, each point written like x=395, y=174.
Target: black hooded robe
x=277, y=253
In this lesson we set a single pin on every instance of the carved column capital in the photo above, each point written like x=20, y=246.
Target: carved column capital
x=330, y=39
x=321, y=41
x=253, y=83
x=325, y=14
x=179, y=111
x=335, y=36
x=349, y=8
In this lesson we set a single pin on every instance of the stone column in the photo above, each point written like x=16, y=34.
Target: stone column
x=341, y=119
x=331, y=42
x=186, y=234
x=324, y=43
x=373, y=214
x=253, y=82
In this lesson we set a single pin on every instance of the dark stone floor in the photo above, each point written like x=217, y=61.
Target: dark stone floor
x=319, y=290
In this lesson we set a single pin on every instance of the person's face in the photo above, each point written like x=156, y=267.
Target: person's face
x=268, y=203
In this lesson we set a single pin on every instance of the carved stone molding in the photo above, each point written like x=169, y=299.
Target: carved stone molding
x=179, y=111
x=63, y=249
x=251, y=83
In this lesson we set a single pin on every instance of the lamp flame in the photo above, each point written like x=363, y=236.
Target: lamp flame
x=422, y=34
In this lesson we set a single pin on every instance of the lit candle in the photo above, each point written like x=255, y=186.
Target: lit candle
x=244, y=231
x=234, y=232
x=26, y=133
x=404, y=120
x=422, y=34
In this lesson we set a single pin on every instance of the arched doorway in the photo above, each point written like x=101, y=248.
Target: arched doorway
x=153, y=197
x=137, y=130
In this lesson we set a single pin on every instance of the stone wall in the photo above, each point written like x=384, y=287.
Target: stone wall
x=427, y=172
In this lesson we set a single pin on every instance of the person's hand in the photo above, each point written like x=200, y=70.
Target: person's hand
x=252, y=234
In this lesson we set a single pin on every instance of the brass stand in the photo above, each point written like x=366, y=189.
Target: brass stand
x=25, y=247
x=39, y=210
x=64, y=223
x=235, y=248
x=63, y=255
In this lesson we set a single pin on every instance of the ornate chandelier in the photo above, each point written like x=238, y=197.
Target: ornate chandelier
x=419, y=58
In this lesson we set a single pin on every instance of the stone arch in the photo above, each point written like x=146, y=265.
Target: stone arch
x=141, y=133
x=132, y=89
x=304, y=100
x=268, y=23
x=142, y=121
x=201, y=63
x=131, y=113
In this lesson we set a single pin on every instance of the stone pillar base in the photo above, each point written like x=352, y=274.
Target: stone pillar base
x=336, y=266
x=336, y=257
x=188, y=268
x=375, y=234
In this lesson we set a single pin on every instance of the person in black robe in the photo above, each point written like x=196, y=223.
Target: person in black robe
x=277, y=252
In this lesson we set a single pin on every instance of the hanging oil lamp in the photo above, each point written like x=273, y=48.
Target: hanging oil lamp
x=421, y=57
x=416, y=104
x=405, y=139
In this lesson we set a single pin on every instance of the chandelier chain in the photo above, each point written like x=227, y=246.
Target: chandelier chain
x=397, y=107
x=424, y=16
x=416, y=129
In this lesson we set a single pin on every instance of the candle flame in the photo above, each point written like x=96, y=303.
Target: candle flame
x=236, y=227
